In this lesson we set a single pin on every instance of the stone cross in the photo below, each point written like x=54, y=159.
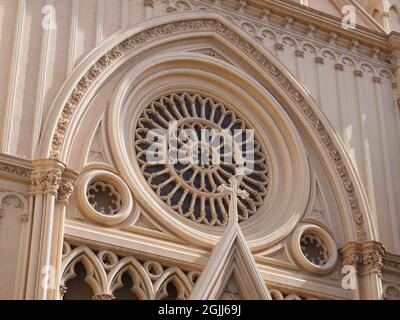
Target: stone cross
x=234, y=192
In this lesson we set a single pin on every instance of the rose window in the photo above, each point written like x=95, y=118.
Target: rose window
x=104, y=198
x=314, y=249
x=187, y=145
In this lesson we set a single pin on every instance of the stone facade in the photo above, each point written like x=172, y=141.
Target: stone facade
x=85, y=215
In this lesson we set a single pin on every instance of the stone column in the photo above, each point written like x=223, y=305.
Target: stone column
x=394, y=45
x=367, y=259
x=64, y=193
x=46, y=178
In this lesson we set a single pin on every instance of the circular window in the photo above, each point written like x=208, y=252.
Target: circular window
x=314, y=249
x=104, y=197
x=207, y=143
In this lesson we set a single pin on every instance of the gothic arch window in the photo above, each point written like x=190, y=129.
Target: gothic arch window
x=77, y=287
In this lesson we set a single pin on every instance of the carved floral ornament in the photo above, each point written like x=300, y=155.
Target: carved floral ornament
x=154, y=33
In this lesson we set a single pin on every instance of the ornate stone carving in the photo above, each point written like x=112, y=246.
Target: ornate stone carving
x=65, y=190
x=105, y=271
x=189, y=184
x=148, y=3
x=339, y=67
x=366, y=257
x=314, y=249
x=15, y=170
x=46, y=181
x=196, y=25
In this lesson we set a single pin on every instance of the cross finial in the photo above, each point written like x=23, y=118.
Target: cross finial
x=234, y=192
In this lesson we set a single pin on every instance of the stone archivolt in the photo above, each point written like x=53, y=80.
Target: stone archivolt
x=154, y=33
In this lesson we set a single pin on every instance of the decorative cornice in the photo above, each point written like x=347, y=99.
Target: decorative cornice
x=196, y=25
x=45, y=182
x=366, y=257
x=339, y=67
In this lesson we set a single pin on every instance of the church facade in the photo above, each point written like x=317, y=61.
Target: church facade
x=110, y=190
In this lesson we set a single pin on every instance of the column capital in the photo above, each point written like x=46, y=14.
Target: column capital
x=66, y=186
x=46, y=176
x=366, y=257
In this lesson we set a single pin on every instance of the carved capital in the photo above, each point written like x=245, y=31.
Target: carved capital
x=339, y=67
x=358, y=73
x=377, y=80
x=148, y=3
x=319, y=60
x=366, y=257
x=299, y=53
x=46, y=181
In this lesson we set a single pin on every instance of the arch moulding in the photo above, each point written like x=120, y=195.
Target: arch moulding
x=103, y=61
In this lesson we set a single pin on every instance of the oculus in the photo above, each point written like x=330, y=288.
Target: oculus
x=207, y=143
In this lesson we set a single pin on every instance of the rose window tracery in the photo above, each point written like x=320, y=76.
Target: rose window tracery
x=187, y=145
x=314, y=249
x=104, y=198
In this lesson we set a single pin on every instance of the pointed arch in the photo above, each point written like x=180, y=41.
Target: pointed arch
x=142, y=282
x=103, y=62
x=96, y=276
x=178, y=279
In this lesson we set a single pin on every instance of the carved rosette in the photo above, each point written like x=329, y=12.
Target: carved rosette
x=46, y=182
x=366, y=257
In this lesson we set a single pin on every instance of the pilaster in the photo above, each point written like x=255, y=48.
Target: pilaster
x=367, y=259
x=46, y=179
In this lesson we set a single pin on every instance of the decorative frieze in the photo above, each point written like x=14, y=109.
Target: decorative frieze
x=366, y=257
x=151, y=279
x=14, y=170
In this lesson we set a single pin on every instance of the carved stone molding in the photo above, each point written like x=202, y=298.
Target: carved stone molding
x=148, y=3
x=366, y=257
x=391, y=263
x=211, y=25
x=14, y=170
